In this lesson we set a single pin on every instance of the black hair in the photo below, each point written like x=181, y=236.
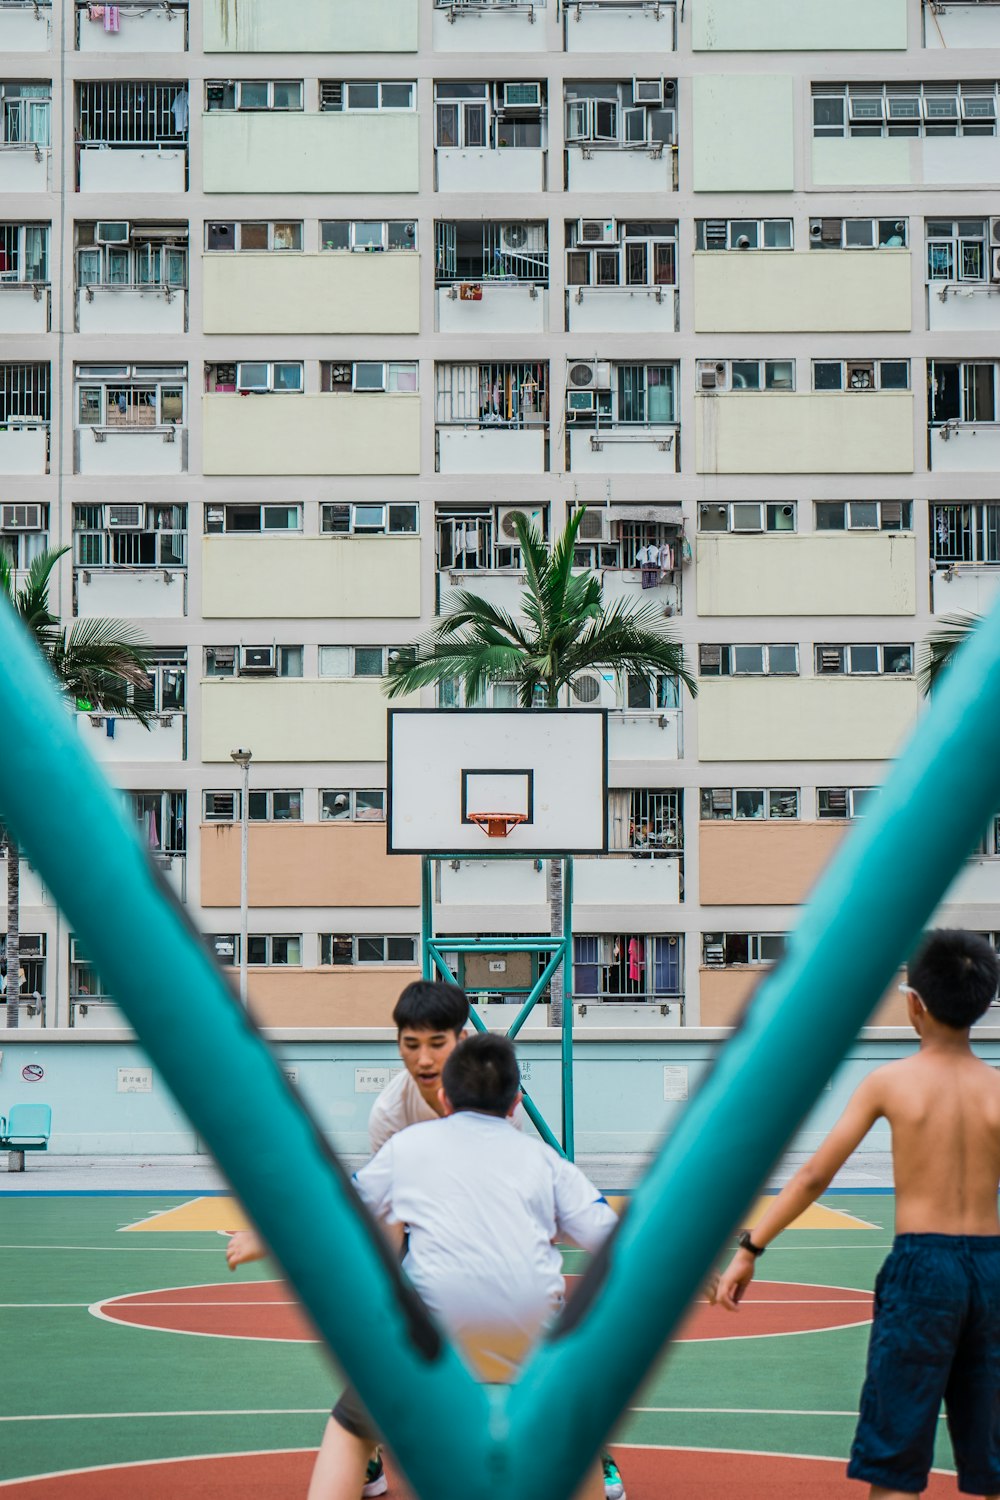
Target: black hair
x=426, y=1005
x=956, y=974
x=482, y=1074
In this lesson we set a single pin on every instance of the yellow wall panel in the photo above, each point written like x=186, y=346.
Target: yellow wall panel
x=807, y=432
x=799, y=26
x=804, y=718
x=293, y=719
x=839, y=573
x=737, y=115
x=830, y=291
x=296, y=434
x=310, y=153
x=311, y=26
x=326, y=293
x=307, y=864
x=310, y=578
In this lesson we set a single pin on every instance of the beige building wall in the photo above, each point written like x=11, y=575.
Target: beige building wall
x=311, y=434
x=725, y=993
x=835, y=291
x=310, y=153
x=804, y=718
x=293, y=719
x=799, y=26
x=733, y=114
x=326, y=997
x=302, y=864
x=306, y=577
x=774, y=863
x=327, y=293
x=804, y=432
x=311, y=26
x=838, y=573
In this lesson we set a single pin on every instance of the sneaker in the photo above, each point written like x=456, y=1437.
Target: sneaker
x=375, y=1481
x=614, y=1488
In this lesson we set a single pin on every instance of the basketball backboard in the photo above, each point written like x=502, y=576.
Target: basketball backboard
x=545, y=771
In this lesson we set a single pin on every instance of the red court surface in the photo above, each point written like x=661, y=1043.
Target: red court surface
x=653, y=1473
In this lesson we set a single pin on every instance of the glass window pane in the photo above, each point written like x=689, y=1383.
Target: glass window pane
x=777, y=234
x=336, y=519
x=253, y=93
x=289, y=661
x=749, y=802
x=863, y=515
x=400, y=950
x=362, y=96
x=828, y=111
x=287, y=94
x=749, y=659
x=744, y=229
x=334, y=806
x=783, y=660
x=779, y=374
x=257, y=807
x=369, y=807
x=287, y=806
x=402, y=235
x=783, y=803
x=828, y=375
x=859, y=234
x=941, y=262
x=397, y=95
x=747, y=515
x=660, y=393
x=369, y=518
x=894, y=375
x=368, y=661
x=369, y=376
x=253, y=236
x=746, y=374
x=371, y=950
x=256, y=948
x=897, y=658
x=863, y=659
x=335, y=234
x=772, y=947
x=288, y=377
x=282, y=518
x=403, y=518
x=286, y=237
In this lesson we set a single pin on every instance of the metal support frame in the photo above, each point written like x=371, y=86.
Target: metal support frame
x=560, y=953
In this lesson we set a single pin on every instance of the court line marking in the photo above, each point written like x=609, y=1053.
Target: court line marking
x=315, y=1411
x=120, y=1249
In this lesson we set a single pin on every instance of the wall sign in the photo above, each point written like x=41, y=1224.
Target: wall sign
x=675, y=1081
x=135, y=1080
x=33, y=1073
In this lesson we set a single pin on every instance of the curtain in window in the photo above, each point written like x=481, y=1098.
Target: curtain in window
x=619, y=819
x=36, y=258
x=660, y=404
x=631, y=393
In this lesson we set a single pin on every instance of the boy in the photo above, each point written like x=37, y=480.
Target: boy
x=936, y=1330
x=482, y=1206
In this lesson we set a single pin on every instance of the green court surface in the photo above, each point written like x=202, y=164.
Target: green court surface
x=197, y=1362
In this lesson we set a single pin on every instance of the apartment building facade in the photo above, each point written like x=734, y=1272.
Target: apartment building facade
x=298, y=304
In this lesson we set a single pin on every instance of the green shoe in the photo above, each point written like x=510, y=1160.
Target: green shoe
x=614, y=1488
x=375, y=1481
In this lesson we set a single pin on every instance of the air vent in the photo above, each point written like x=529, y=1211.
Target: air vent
x=21, y=517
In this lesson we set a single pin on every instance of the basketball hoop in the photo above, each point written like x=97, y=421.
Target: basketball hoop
x=497, y=825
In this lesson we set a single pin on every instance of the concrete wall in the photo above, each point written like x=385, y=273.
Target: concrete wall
x=293, y=719
x=306, y=864
x=803, y=432
x=804, y=718
x=326, y=293
x=734, y=114
x=725, y=992
x=840, y=573
x=310, y=26
x=311, y=434
x=836, y=291
x=942, y=161
x=298, y=578
x=773, y=863
x=310, y=153
x=799, y=26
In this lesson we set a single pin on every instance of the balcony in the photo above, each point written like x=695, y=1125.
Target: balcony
x=472, y=169
x=112, y=741
x=310, y=865
x=840, y=573
x=130, y=449
x=306, y=153
x=625, y=309
x=295, y=578
x=131, y=593
x=311, y=434
x=773, y=432
x=625, y=450
x=131, y=309
x=645, y=736
x=24, y=447
x=294, y=719
x=964, y=589
x=333, y=292
x=489, y=26
x=492, y=307
x=24, y=306
x=612, y=169
x=141, y=29
x=24, y=168
x=608, y=26
x=626, y=583
x=964, y=447
x=133, y=169
x=504, y=590
x=311, y=26
x=492, y=450
x=626, y=880
x=966, y=306
x=26, y=27
x=770, y=291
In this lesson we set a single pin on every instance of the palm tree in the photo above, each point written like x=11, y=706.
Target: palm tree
x=566, y=629
x=98, y=662
x=941, y=645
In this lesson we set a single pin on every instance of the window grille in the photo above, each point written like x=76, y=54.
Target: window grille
x=24, y=253
x=492, y=395
x=132, y=114
x=25, y=394
x=646, y=821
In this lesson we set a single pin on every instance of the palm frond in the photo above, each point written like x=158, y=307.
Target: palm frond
x=940, y=646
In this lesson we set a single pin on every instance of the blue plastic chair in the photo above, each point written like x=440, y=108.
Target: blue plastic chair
x=28, y=1127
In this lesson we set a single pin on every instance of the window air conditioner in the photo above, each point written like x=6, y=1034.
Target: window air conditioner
x=522, y=96
x=223, y=808
x=595, y=526
x=505, y=520
x=711, y=376
x=111, y=232
x=995, y=231
x=579, y=401
x=597, y=232
x=258, y=659
x=522, y=239
x=826, y=231
x=20, y=517
x=126, y=517
x=995, y=265
x=590, y=375
x=647, y=90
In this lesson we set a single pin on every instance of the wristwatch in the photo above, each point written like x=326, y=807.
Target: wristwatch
x=746, y=1243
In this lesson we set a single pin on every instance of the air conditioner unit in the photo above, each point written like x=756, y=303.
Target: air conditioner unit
x=126, y=517
x=522, y=239
x=995, y=231
x=711, y=375
x=647, y=90
x=591, y=690
x=579, y=401
x=716, y=234
x=505, y=520
x=715, y=953
x=595, y=526
x=258, y=659
x=223, y=808
x=111, y=232
x=522, y=96
x=20, y=517
x=995, y=265
x=826, y=231
x=597, y=232
x=589, y=375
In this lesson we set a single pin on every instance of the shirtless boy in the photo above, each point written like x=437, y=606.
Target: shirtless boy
x=936, y=1330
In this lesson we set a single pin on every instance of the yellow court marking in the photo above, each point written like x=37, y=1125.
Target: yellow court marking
x=817, y=1216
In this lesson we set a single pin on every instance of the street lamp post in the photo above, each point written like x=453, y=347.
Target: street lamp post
x=243, y=759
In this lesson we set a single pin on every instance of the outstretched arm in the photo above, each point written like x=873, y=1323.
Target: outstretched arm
x=809, y=1183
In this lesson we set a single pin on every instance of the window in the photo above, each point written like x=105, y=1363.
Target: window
x=162, y=818
x=130, y=536
x=864, y=660
x=352, y=806
x=748, y=661
x=724, y=803
x=471, y=538
x=130, y=396
x=632, y=545
x=623, y=116
x=262, y=807
x=25, y=395
x=165, y=692
x=858, y=234
x=254, y=234
x=252, y=94
x=637, y=253
x=727, y=949
x=367, y=234
x=928, y=109
x=842, y=801
x=25, y=114
x=153, y=255
x=484, y=250
x=253, y=661
x=369, y=375
x=957, y=250
x=861, y=374
x=132, y=114
x=655, y=694
x=360, y=96
x=488, y=116
x=628, y=967
x=743, y=234
x=966, y=532
x=366, y=948
x=644, y=821
x=21, y=546
x=267, y=376
x=747, y=515
x=360, y=661
x=746, y=375
x=959, y=393
x=628, y=395
x=31, y=959
x=274, y=950
x=451, y=694
x=512, y=395
x=253, y=518
x=363, y=519
x=24, y=253
x=864, y=515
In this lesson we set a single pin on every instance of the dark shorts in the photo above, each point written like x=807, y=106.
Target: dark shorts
x=935, y=1338
x=351, y=1415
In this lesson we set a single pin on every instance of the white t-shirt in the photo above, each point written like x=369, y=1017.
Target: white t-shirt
x=401, y=1104
x=482, y=1204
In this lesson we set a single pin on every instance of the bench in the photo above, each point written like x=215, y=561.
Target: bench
x=26, y=1128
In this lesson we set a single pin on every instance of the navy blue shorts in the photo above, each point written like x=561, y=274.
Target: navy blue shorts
x=935, y=1338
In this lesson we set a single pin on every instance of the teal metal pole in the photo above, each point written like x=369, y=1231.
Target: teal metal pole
x=426, y=915
x=866, y=914
x=69, y=822
x=566, y=1070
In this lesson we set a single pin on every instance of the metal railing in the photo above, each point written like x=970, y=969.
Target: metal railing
x=131, y=114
